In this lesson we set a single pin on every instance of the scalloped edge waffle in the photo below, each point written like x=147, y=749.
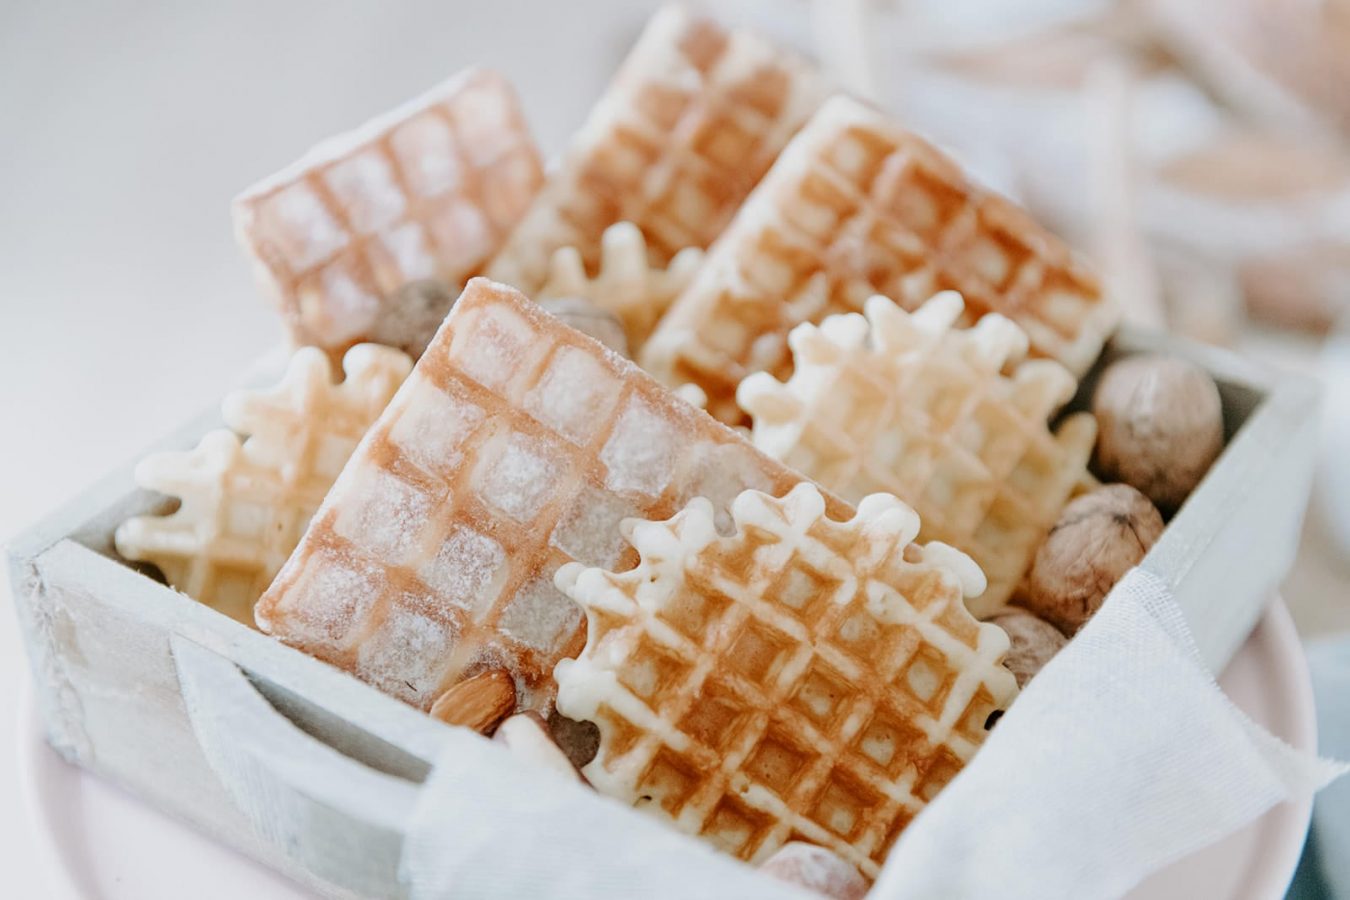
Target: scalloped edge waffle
x=626, y=283
x=426, y=191
x=802, y=679
x=913, y=406
x=692, y=119
x=857, y=206
x=516, y=445
x=245, y=502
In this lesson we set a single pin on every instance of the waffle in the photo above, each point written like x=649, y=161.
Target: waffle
x=693, y=118
x=245, y=502
x=909, y=405
x=427, y=191
x=855, y=206
x=803, y=679
x=516, y=445
x=626, y=284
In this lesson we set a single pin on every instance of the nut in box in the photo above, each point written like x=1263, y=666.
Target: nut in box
x=763, y=649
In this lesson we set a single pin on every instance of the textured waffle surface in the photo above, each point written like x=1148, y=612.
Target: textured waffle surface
x=244, y=503
x=693, y=118
x=801, y=679
x=856, y=206
x=517, y=445
x=427, y=191
x=626, y=283
x=910, y=405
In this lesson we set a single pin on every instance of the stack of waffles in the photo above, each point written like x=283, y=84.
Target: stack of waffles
x=746, y=617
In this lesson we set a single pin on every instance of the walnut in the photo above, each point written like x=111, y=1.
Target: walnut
x=1034, y=641
x=588, y=318
x=1099, y=536
x=1160, y=426
x=409, y=318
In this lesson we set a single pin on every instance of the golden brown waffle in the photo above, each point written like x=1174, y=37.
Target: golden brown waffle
x=517, y=445
x=426, y=191
x=691, y=121
x=803, y=679
x=244, y=504
x=909, y=405
x=856, y=206
x=626, y=283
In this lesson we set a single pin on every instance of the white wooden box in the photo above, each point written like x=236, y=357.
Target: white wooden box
x=312, y=772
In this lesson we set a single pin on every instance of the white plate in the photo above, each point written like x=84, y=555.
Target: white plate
x=103, y=843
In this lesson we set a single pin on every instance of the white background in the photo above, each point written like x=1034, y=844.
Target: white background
x=124, y=132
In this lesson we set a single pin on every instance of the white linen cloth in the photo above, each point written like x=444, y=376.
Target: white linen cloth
x=1120, y=756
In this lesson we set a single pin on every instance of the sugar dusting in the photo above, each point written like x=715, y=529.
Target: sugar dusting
x=467, y=570
x=640, y=454
x=406, y=655
x=539, y=615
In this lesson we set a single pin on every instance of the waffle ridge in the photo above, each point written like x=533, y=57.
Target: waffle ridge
x=694, y=116
x=856, y=206
x=426, y=191
x=517, y=445
x=804, y=678
x=245, y=501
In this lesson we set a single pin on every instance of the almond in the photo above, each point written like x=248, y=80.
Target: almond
x=479, y=702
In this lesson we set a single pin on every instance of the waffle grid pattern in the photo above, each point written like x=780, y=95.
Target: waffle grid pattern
x=854, y=207
x=693, y=118
x=428, y=191
x=909, y=405
x=245, y=503
x=803, y=679
x=517, y=445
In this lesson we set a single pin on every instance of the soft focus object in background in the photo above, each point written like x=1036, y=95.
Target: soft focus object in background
x=625, y=284
x=588, y=318
x=692, y=119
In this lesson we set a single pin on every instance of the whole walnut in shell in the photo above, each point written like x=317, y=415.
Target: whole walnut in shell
x=1098, y=538
x=1033, y=641
x=1160, y=426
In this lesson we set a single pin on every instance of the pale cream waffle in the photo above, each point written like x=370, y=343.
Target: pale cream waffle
x=692, y=119
x=426, y=191
x=912, y=406
x=626, y=283
x=518, y=444
x=245, y=503
x=802, y=679
x=857, y=206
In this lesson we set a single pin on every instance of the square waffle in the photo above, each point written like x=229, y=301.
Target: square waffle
x=857, y=206
x=245, y=503
x=911, y=406
x=693, y=118
x=426, y=191
x=802, y=679
x=517, y=445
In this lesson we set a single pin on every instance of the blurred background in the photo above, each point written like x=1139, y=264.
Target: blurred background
x=1198, y=149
